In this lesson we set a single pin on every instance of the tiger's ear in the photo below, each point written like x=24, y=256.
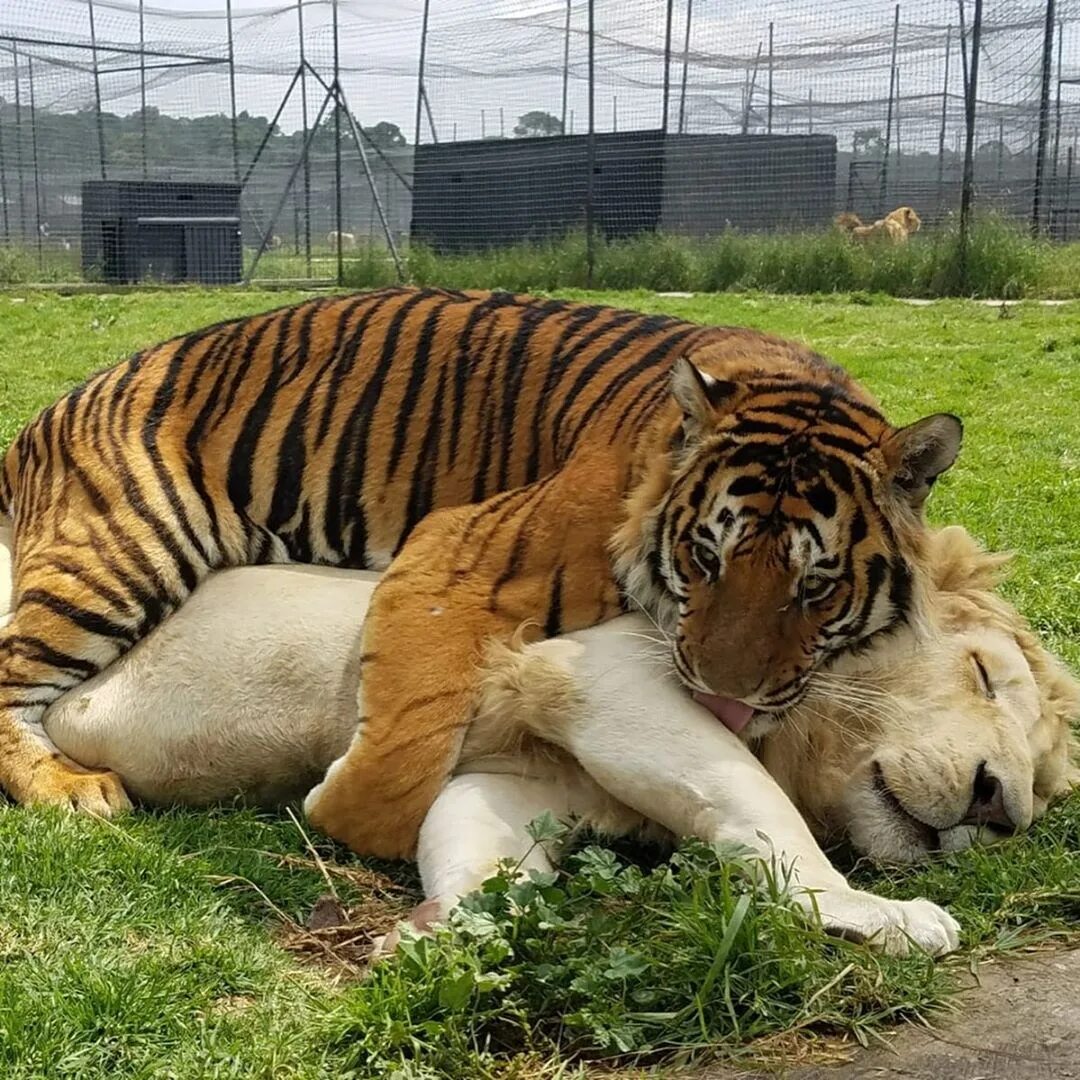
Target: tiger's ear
x=919, y=453
x=699, y=395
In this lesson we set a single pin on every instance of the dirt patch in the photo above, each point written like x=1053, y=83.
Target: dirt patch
x=1019, y=1019
x=339, y=936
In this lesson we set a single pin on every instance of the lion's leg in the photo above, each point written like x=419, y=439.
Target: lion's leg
x=70, y=620
x=478, y=821
x=466, y=575
x=641, y=737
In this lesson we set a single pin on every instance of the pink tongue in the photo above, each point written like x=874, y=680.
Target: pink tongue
x=731, y=713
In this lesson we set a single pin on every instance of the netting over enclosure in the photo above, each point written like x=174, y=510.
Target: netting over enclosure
x=265, y=139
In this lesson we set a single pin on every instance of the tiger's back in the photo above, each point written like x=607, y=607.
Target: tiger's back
x=326, y=431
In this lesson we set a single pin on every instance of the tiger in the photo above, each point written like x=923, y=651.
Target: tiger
x=506, y=459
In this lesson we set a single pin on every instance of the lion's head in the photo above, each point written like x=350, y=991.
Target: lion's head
x=935, y=740
x=908, y=220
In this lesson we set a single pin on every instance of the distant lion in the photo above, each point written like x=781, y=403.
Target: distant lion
x=348, y=239
x=894, y=227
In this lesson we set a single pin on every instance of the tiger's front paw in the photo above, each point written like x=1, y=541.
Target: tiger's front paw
x=57, y=781
x=894, y=926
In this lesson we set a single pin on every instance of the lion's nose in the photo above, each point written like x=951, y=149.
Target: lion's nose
x=988, y=802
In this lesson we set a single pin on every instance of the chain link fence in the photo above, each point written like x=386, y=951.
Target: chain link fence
x=218, y=141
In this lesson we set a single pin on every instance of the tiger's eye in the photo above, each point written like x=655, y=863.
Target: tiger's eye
x=708, y=562
x=817, y=590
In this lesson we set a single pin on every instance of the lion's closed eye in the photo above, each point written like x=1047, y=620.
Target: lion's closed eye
x=982, y=677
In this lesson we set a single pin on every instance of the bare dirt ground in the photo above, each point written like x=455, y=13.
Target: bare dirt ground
x=1020, y=1020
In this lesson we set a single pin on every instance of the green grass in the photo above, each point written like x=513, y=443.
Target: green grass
x=1003, y=261
x=154, y=947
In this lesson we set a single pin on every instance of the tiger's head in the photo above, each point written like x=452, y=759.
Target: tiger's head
x=778, y=528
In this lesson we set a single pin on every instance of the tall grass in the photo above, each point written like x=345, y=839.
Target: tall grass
x=1002, y=262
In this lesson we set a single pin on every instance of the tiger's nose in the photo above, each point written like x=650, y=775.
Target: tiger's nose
x=988, y=802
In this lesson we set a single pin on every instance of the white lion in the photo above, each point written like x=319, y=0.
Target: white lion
x=929, y=740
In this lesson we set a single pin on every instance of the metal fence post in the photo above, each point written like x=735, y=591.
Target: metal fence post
x=232, y=91
x=967, y=189
x=97, y=90
x=4, y=187
x=307, y=142
x=34, y=160
x=1044, y=121
x=142, y=89
x=944, y=123
x=590, y=179
x=883, y=191
x=339, y=98
x=420, y=73
x=21, y=180
x=769, y=100
x=685, y=63
x=667, y=63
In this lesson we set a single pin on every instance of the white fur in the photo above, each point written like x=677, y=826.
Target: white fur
x=221, y=700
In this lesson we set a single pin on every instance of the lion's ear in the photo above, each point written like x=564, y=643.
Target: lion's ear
x=700, y=396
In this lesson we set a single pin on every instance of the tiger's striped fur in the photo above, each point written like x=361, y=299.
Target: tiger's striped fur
x=493, y=447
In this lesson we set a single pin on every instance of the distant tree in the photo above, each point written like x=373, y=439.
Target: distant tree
x=992, y=148
x=385, y=135
x=868, y=142
x=538, y=123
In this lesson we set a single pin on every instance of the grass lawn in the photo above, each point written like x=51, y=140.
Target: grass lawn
x=159, y=945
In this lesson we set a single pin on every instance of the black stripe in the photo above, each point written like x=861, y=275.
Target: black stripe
x=655, y=390
x=467, y=358
x=414, y=387
x=642, y=327
x=701, y=485
x=559, y=363
x=41, y=652
x=343, y=355
x=877, y=568
x=240, y=475
x=553, y=622
x=838, y=442
x=659, y=353
x=530, y=320
x=163, y=398
x=422, y=486
x=221, y=347
x=90, y=621
x=900, y=588
x=487, y=440
x=344, y=503
x=84, y=578
x=746, y=427
x=822, y=500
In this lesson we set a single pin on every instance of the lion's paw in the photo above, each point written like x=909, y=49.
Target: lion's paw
x=894, y=926
x=422, y=920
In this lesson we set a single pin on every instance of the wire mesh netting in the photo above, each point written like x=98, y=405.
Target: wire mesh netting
x=215, y=139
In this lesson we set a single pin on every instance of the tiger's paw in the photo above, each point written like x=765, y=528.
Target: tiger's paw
x=57, y=781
